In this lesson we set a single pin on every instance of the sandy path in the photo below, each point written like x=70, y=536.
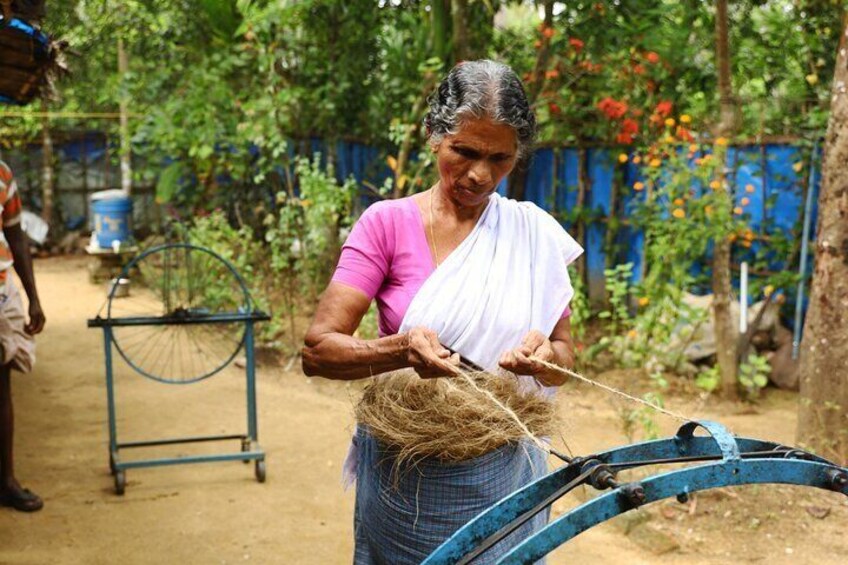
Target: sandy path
x=218, y=513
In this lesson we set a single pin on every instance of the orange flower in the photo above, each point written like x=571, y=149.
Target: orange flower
x=715, y=185
x=678, y=202
x=537, y=44
x=553, y=73
x=708, y=210
x=637, y=159
x=638, y=69
x=644, y=301
x=745, y=201
x=637, y=186
x=685, y=118
x=738, y=211
x=721, y=141
x=679, y=213
x=623, y=158
x=652, y=57
x=655, y=162
x=745, y=243
x=576, y=43
x=632, y=334
x=749, y=188
x=693, y=148
x=548, y=32
x=670, y=122
x=798, y=166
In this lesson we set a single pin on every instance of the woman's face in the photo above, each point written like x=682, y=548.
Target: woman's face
x=474, y=161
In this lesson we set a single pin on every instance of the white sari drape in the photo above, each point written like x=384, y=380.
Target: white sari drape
x=509, y=276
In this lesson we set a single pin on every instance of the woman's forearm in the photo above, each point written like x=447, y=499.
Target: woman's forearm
x=340, y=356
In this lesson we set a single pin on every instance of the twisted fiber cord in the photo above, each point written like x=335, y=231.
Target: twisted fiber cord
x=611, y=390
x=521, y=425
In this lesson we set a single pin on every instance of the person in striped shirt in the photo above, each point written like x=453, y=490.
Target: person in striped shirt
x=17, y=346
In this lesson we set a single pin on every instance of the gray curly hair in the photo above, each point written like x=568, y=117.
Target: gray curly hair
x=480, y=89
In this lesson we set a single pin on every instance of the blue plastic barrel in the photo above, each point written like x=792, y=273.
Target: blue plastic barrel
x=112, y=217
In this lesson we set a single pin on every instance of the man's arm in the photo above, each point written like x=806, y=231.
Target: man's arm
x=19, y=247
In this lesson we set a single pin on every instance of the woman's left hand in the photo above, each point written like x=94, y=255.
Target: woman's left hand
x=534, y=344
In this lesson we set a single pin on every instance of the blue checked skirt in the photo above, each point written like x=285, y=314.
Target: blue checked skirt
x=402, y=515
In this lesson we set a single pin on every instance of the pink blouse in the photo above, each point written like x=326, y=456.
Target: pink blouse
x=386, y=256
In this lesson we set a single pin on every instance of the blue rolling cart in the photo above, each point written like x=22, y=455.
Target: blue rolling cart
x=179, y=314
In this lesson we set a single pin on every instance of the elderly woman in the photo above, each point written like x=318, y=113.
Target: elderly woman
x=458, y=272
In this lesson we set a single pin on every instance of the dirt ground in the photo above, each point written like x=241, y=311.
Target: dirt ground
x=218, y=513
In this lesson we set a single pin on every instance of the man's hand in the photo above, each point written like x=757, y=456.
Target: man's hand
x=36, y=319
x=534, y=344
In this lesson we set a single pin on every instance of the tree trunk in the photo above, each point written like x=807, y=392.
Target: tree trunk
x=126, y=156
x=440, y=12
x=823, y=410
x=725, y=336
x=461, y=51
x=47, y=180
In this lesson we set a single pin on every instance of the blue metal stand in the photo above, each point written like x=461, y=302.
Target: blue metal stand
x=728, y=461
x=250, y=450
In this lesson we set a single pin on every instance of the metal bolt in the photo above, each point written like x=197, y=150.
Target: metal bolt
x=838, y=479
x=683, y=497
x=634, y=493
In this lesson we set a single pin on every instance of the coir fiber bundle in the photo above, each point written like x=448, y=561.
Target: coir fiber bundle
x=451, y=419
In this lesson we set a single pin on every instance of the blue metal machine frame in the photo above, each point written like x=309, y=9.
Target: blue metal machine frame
x=728, y=461
x=250, y=450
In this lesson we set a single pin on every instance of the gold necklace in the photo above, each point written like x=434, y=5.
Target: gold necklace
x=433, y=231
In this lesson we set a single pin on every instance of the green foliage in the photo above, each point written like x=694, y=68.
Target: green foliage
x=303, y=237
x=240, y=248
x=753, y=374
x=617, y=286
x=709, y=378
x=579, y=305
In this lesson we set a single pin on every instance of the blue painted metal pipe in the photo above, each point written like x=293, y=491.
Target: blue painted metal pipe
x=805, y=243
x=763, y=462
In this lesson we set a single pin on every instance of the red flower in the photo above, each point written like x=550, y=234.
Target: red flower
x=629, y=126
x=554, y=108
x=613, y=109
x=639, y=69
x=624, y=138
x=664, y=108
x=652, y=57
x=577, y=44
x=683, y=133
x=552, y=74
x=548, y=32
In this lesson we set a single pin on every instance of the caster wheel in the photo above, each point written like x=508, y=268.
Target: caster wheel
x=120, y=482
x=260, y=471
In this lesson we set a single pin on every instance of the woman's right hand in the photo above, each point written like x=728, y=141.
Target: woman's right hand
x=428, y=356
